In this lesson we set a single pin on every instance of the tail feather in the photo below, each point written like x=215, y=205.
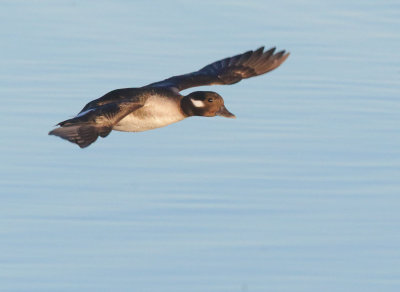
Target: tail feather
x=81, y=134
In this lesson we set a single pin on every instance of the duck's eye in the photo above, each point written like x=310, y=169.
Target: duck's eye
x=210, y=100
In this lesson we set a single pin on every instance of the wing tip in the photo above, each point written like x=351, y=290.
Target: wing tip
x=283, y=56
x=260, y=49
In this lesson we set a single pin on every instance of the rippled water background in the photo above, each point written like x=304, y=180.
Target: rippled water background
x=299, y=193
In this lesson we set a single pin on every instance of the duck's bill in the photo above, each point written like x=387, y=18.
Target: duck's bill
x=223, y=112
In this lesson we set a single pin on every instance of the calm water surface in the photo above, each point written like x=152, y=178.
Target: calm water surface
x=299, y=193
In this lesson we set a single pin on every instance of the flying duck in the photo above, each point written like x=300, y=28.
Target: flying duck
x=160, y=104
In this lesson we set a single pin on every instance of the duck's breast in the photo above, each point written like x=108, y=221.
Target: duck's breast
x=157, y=112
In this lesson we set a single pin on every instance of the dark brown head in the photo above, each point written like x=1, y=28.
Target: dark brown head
x=206, y=104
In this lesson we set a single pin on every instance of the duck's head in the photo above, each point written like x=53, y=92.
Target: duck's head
x=206, y=104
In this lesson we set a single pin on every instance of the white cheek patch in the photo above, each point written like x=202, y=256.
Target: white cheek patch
x=198, y=103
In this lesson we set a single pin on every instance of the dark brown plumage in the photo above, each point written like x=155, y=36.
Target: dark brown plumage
x=229, y=70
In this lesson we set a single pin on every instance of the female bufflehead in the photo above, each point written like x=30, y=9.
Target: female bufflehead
x=160, y=104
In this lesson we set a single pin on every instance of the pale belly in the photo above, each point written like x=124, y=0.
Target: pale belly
x=154, y=114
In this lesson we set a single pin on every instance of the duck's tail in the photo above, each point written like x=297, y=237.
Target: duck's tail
x=82, y=134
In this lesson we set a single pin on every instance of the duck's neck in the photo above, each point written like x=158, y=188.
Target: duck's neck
x=187, y=107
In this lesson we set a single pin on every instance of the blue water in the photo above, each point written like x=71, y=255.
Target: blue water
x=299, y=193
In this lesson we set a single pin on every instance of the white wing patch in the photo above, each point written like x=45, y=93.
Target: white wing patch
x=84, y=113
x=198, y=103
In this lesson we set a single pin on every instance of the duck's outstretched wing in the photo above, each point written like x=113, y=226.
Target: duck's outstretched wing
x=97, y=121
x=116, y=95
x=228, y=71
